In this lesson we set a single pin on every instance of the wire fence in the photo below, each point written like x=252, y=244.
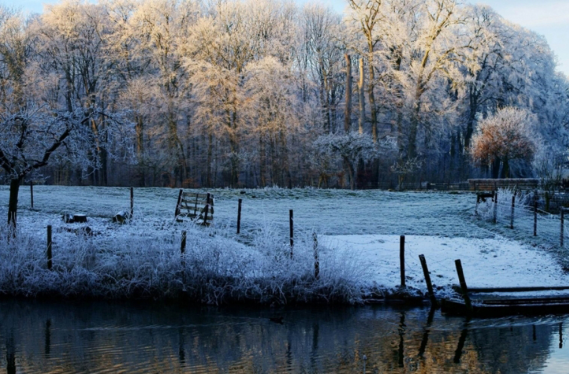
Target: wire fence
x=521, y=212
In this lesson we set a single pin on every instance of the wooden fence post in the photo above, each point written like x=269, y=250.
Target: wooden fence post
x=496, y=207
x=177, y=212
x=316, y=259
x=561, y=234
x=512, y=215
x=477, y=202
x=402, y=258
x=131, y=202
x=535, y=218
x=206, y=209
x=32, y=193
x=463, y=285
x=49, y=244
x=428, y=280
x=291, y=230
x=239, y=216
x=183, y=245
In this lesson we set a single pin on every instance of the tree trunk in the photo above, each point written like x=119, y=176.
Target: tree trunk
x=348, y=111
x=13, y=202
x=413, y=129
x=505, y=168
x=351, y=173
x=262, y=161
x=496, y=168
x=373, y=109
x=209, y=159
x=361, y=100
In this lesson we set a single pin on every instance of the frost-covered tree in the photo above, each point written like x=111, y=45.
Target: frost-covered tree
x=352, y=148
x=235, y=93
x=32, y=137
x=505, y=137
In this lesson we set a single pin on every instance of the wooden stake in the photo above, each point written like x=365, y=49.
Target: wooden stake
x=131, y=202
x=463, y=287
x=535, y=218
x=207, y=200
x=183, y=245
x=561, y=234
x=49, y=244
x=32, y=193
x=512, y=215
x=316, y=259
x=177, y=212
x=428, y=280
x=402, y=258
x=239, y=216
x=291, y=229
x=496, y=207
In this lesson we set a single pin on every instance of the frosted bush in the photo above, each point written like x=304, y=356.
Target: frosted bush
x=486, y=209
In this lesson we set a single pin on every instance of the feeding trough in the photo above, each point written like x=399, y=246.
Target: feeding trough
x=74, y=218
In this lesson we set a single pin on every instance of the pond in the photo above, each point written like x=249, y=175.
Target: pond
x=112, y=337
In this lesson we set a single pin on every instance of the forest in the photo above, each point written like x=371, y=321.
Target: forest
x=255, y=93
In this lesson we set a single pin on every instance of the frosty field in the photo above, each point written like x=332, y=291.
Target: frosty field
x=358, y=242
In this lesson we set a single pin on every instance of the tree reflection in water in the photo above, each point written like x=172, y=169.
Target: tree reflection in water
x=37, y=337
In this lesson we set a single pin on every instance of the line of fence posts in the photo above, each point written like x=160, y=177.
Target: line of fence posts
x=535, y=211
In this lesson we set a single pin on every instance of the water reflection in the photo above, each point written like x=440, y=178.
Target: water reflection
x=39, y=337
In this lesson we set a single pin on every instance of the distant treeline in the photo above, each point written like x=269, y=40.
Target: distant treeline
x=254, y=93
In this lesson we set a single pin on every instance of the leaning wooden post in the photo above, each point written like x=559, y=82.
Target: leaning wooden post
x=177, y=212
x=49, y=244
x=428, y=280
x=562, y=226
x=207, y=199
x=239, y=216
x=512, y=215
x=32, y=193
x=496, y=207
x=291, y=230
x=131, y=202
x=535, y=218
x=183, y=245
x=463, y=287
x=316, y=259
x=402, y=258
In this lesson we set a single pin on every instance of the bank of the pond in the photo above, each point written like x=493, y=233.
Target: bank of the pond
x=144, y=258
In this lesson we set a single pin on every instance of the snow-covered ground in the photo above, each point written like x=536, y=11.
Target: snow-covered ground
x=358, y=234
x=493, y=262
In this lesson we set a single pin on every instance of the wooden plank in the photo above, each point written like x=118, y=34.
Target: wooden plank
x=516, y=289
x=532, y=301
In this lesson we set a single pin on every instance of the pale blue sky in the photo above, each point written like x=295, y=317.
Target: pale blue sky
x=546, y=17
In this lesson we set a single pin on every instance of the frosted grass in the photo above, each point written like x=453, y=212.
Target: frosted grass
x=213, y=270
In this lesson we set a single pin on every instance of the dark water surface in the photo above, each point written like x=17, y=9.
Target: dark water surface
x=101, y=337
